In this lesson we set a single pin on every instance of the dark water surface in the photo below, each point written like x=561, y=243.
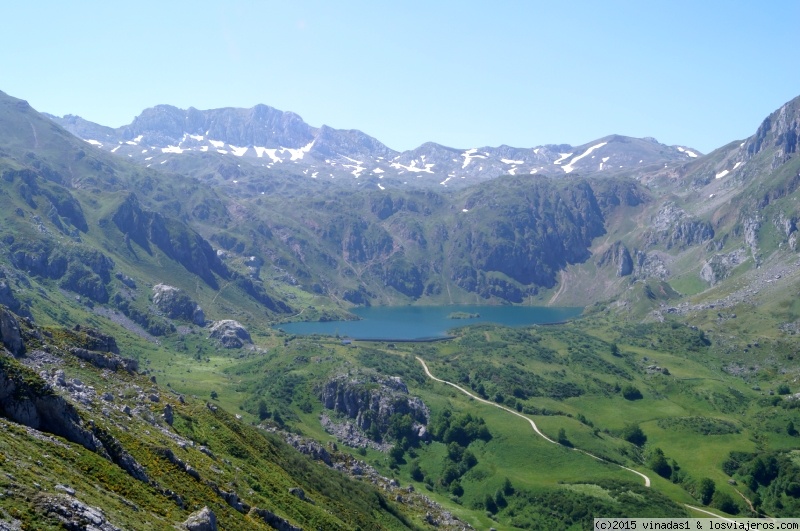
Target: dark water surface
x=427, y=322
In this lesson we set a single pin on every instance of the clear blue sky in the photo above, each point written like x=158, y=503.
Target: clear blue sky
x=464, y=74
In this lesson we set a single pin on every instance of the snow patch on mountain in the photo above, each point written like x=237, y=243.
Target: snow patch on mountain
x=238, y=151
x=469, y=155
x=691, y=154
x=509, y=161
x=562, y=158
x=173, y=149
x=571, y=166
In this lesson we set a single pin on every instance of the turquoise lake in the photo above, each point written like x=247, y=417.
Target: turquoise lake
x=408, y=323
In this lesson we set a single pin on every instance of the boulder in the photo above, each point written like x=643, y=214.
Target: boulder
x=202, y=520
x=230, y=333
x=176, y=304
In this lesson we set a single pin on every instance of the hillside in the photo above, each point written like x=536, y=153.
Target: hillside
x=138, y=298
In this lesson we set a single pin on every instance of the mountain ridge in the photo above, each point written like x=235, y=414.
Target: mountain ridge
x=263, y=134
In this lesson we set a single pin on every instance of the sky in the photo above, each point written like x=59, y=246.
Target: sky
x=463, y=74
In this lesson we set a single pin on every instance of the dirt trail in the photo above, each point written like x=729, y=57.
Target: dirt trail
x=520, y=415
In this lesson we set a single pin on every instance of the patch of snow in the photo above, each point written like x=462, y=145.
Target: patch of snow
x=172, y=149
x=444, y=183
x=260, y=151
x=640, y=162
x=509, y=161
x=741, y=145
x=691, y=154
x=223, y=151
x=413, y=167
x=115, y=149
x=734, y=166
x=536, y=151
x=377, y=170
x=721, y=174
x=533, y=171
x=95, y=143
x=144, y=151
x=196, y=137
x=163, y=161
x=464, y=210
x=571, y=166
x=563, y=157
x=204, y=148
x=149, y=158
x=711, y=196
x=381, y=186
x=298, y=154
x=238, y=151
x=314, y=175
x=469, y=155
x=135, y=141
x=217, y=143
x=512, y=171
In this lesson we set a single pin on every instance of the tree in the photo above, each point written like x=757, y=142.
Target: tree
x=790, y=429
x=416, y=471
x=214, y=395
x=658, y=463
x=629, y=392
x=508, y=488
x=490, y=504
x=562, y=438
x=263, y=410
x=724, y=502
x=706, y=490
x=634, y=434
x=499, y=499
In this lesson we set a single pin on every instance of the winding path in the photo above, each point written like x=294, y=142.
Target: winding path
x=520, y=415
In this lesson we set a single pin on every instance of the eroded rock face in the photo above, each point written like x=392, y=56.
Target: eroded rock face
x=673, y=227
x=373, y=400
x=176, y=304
x=10, y=333
x=618, y=255
x=75, y=514
x=720, y=265
x=230, y=333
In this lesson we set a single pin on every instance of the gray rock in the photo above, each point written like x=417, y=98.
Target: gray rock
x=10, y=332
x=169, y=415
x=176, y=304
x=230, y=333
x=202, y=520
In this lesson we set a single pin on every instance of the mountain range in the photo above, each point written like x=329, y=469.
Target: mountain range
x=264, y=137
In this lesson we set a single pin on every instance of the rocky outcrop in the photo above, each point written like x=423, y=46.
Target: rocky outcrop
x=74, y=514
x=372, y=400
x=10, y=334
x=673, y=227
x=750, y=226
x=202, y=520
x=103, y=360
x=79, y=268
x=719, y=266
x=26, y=399
x=619, y=256
x=173, y=238
x=230, y=333
x=176, y=304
